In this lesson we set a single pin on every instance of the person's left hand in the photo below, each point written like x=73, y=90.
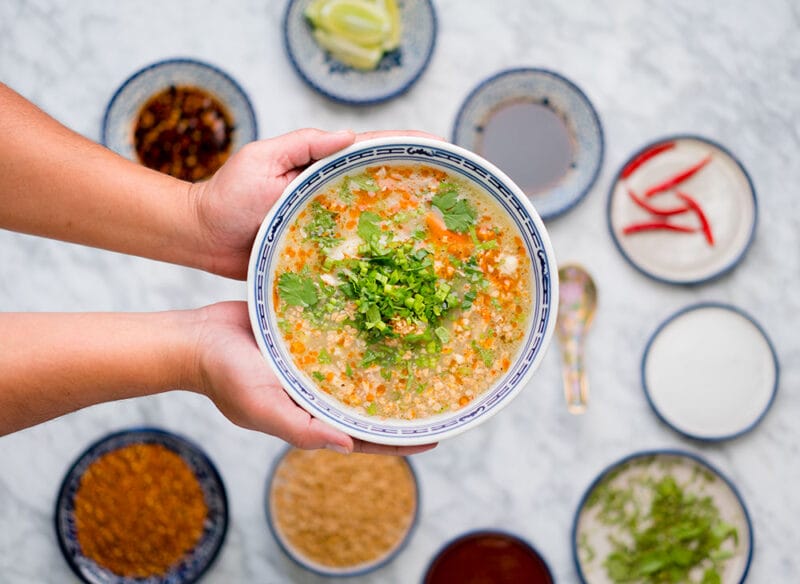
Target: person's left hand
x=231, y=205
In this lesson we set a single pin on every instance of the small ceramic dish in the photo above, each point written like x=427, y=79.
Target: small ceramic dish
x=397, y=71
x=362, y=476
x=548, y=106
x=197, y=561
x=718, y=184
x=488, y=556
x=123, y=110
x=624, y=492
x=467, y=167
x=710, y=372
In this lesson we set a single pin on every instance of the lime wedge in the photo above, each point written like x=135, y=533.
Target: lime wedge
x=313, y=12
x=359, y=21
x=392, y=40
x=348, y=52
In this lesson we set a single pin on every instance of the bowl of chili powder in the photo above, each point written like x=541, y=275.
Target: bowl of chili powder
x=141, y=506
x=181, y=117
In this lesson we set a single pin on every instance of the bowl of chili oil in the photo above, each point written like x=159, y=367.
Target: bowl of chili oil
x=181, y=117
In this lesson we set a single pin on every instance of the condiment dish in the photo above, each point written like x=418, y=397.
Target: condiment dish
x=528, y=122
x=197, y=561
x=123, y=110
x=397, y=71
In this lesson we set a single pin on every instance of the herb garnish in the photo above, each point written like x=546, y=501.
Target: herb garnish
x=297, y=290
x=668, y=539
x=322, y=227
x=457, y=213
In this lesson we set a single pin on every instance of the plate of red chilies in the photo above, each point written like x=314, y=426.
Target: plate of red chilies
x=682, y=210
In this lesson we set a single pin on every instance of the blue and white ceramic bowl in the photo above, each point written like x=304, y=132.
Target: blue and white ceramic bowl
x=562, y=97
x=591, y=537
x=451, y=159
x=123, y=110
x=395, y=74
x=197, y=562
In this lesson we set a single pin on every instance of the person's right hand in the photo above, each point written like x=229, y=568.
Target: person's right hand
x=232, y=372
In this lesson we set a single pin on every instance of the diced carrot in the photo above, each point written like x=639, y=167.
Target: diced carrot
x=505, y=363
x=329, y=376
x=297, y=347
x=463, y=400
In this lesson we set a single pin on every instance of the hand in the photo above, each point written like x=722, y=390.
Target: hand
x=233, y=373
x=232, y=204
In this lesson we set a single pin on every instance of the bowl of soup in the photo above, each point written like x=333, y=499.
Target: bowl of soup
x=404, y=290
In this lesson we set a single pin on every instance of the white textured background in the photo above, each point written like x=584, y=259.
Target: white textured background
x=729, y=71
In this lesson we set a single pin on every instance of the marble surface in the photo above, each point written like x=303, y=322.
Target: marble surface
x=729, y=71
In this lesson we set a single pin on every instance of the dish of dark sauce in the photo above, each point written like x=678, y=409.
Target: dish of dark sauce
x=185, y=132
x=488, y=558
x=529, y=142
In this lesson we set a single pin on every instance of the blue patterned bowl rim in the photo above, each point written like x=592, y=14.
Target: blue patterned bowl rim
x=340, y=572
x=453, y=159
x=724, y=269
x=661, y=452
x=198, y=561
x=391, y=89
x=555, y=207
x=701, y=306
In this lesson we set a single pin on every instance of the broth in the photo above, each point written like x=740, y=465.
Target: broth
x=529, y=142
x=403, y=291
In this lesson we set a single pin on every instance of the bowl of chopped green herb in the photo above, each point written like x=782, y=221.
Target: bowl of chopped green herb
x=665, y=517
x=404, y=290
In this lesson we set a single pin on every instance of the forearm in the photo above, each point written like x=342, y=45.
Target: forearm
x=55, y=183
x=52, y=364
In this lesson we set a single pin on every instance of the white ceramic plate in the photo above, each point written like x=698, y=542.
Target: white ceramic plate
x=451, y=159
x=723, y=190
x=710, y=372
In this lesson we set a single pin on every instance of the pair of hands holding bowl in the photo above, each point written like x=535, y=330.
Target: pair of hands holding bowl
x=57, y=184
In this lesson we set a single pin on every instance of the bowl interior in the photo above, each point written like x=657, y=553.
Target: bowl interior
x=453, y=160
x=123, y=110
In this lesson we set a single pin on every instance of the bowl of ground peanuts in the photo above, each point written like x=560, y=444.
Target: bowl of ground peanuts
x=404, y=290
x=352, y=529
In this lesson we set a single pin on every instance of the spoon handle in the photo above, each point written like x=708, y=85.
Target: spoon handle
x=576, y=386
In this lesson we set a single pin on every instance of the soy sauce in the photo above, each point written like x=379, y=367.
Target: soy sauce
x=185, y=132
x=528, y=141
x=488, y=557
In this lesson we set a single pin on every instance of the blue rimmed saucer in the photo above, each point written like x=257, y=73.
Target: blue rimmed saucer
x=723, y=190
x=197, y=561
x=395, y=74
x=591, y=537
x=123, y=110
x=336, y=571
x=710, y=372
x=567, y=102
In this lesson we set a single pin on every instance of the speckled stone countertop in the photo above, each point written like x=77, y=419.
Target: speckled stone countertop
x=729, y=71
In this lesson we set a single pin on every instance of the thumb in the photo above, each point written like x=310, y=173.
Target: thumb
x=301, y=147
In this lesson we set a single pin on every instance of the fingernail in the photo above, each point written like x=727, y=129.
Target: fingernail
x=345, y=133
x=337, y=448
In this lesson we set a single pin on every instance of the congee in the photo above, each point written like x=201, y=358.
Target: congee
x=403, y=291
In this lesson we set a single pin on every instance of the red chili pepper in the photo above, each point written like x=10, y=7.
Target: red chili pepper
x=644, y=157
x=655, y=210
x=657, y=225
x=695, y=206
x=678, y=178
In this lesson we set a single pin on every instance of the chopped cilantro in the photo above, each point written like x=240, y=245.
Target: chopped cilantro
x=318, y=376
x=369, y=228
x=486, y=355
x=372, y=409
x=348, y=370
x=324, y=357
x=457, y=213
x=365, y=183
x=297, y=290
x=321, y=229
